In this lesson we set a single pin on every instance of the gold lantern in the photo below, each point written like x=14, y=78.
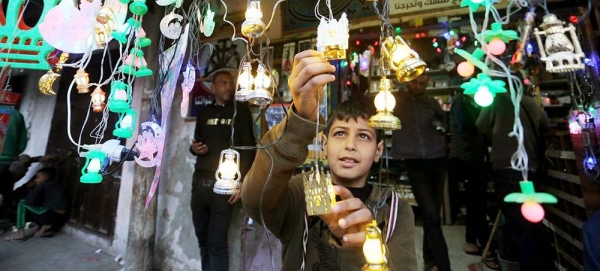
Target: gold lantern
x=253, y=26
x=82, y=81
x=374, y=249
x=385, y=103
x=401, y=58
x=332, y=37
x=98, y=98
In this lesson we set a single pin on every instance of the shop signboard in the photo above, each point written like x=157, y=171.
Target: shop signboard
x=416, y=6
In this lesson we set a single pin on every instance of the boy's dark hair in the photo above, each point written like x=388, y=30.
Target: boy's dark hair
x=50, y=172
x=353, y=109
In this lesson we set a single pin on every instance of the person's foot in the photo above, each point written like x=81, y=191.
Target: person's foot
x=44, y=231
x=472, y=249
x=491, y=262
x=19, y=235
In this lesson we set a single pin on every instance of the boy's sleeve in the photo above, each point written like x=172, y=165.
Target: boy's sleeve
x=402, y=243
x=281, y=201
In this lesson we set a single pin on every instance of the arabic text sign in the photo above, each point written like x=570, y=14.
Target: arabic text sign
x=413, y=6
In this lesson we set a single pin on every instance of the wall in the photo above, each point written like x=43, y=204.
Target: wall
x=37, y=110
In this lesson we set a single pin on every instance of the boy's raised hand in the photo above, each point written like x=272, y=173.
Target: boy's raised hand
x=349, y=218
x=309, y=73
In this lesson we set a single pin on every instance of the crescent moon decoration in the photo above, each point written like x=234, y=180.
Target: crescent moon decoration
x=170, y=26
x=189, y=78
x=147, y=144
x=46, y=82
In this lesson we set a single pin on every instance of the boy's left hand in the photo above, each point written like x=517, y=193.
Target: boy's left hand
x=349, y=218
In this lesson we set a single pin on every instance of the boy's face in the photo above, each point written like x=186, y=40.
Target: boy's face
x=40, y=177
x=351, y=149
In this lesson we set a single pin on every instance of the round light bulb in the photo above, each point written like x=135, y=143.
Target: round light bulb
x=496, y=47
x=228, y=169
x=532, y=211
x=484, y=96
x=253, y=11
x=94, y=165
x=385, y=101
x=373, y=251
x=121, y=95
x=126, y=122
x=465, y=69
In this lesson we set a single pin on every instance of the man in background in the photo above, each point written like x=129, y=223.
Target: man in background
x=211, y=212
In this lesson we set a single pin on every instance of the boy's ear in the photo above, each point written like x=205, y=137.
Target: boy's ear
x=379, y=151
x=324, y=143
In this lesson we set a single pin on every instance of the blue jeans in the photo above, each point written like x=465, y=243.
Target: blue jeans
x=426, y=178
x=211, y=214
x=521, y=241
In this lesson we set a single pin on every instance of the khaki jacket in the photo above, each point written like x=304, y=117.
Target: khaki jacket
x=283, y=208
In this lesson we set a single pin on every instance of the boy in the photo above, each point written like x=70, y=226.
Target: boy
x=47, y=204
x=334, y=241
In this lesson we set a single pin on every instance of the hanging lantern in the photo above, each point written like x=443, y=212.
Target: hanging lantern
x=531, y=208
x=559, y=53
x=245, y=81
x=46, y=81
x=374, y=249
x=93, y=164
x=253, y=26
x=64, y=56
x=385, y=103
x=141, y=39
x=100, y=35
x=228, y=174
x=82, y=81
x=261, y=95
x=332, y=38
x=98, y=98
x=119, y=98
x=402, y=59
x=517, y=61
x=122, y=36
x=126, y=124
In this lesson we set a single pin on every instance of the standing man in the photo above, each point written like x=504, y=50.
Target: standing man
x=420, y=144
x=211, y=212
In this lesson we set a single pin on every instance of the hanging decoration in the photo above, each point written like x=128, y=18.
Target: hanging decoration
x=466, y=68
x=170, y=25
x=332, y=37
x=402, y=59
x=518, y=59
x=25, y=48
x=253, y=27
x=374, y=249
x=560, y=54
x=318, y=193
x=70, y=29
x=47, y=81
x=82, y=81
x=385, y=103
x=189, y=79
x=149, y=143
x=119, y=100
x=483, y=88
x=126, y=124
x=531, y=208
x=261, y=95
x=497, y=38
x=93, y=164
x=98, y=98
x=245, y=82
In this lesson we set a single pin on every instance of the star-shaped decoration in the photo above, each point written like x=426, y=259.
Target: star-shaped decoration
x=528, y=194
x=472, y=4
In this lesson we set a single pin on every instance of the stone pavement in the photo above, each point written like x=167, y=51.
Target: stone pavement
x=59, y=252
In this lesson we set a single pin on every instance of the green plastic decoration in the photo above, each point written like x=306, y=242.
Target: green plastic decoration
x=483, y=88
x=138, y=7
x=474, y=58
x=126, y=124
x=22, y=46
x=120, y=97
x=528, y=194
x=498, y=33
x=473, y=4
x=122, y=36
x=93, y=164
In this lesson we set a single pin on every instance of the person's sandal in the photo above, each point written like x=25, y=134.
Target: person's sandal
x=491, y=262
x=14, y=237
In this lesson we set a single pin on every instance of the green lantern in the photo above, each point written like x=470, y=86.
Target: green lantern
x=122, y=36
x=91, y=170
x=483, y=88
x=126, y=124
x=120, y=97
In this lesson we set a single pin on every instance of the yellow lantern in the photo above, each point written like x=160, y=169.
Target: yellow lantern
x=402, y=59
x=82, y=81
x=374, y=249
x=385, y=103
x=253, y=26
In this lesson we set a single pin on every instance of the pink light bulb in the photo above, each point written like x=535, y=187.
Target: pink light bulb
x=496, y=47
x=121, y=95
x=465, y=69
x=532, y=211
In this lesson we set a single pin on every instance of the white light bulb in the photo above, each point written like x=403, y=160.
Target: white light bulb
x=400, y=53
x=253, y=11
x=245, y=79
x=127, y=121
x=121, y=95
x=228, y=169
x=483, y=96
x=262, y=79
x=94, y=165
x=373, y=251
x=385, y=101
